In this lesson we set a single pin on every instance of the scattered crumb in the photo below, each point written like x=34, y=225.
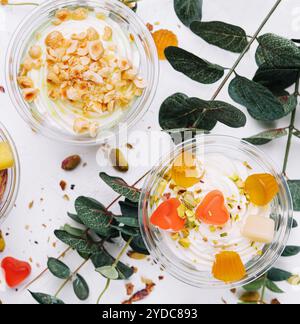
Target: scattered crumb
x=129, y=289
x=150, y=27
x=31, y=204
x=66, y=197
x=63, y=185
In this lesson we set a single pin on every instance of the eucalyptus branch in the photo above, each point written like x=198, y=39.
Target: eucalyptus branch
x=291, y=129
x=114, y=265
x=70, y=278
x=238, y=61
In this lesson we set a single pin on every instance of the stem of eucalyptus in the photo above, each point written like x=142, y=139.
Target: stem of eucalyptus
x=232, y=70
x=114, y=265
x=291, y=130
x=70, y=278
x=263, y=291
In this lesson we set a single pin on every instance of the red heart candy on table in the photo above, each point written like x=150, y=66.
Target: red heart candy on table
x=166, y=216
x=212, y=210
x=15, y=271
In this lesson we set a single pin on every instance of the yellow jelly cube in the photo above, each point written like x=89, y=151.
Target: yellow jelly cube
x=259, y=229
x=6, y=156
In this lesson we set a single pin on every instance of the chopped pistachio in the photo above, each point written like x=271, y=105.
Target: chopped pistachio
x=185, y=233
x=185, y=242
x=161, y=187
x=175, y=236
x=181, y=211
x=212, y=229
x=224, y=234
x=294, y=280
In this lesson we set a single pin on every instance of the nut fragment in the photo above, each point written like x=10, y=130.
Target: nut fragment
x=107, y=34
x=118, y=160
x=250, y=297
x=35, y=52
x=63, y=14
x=2, y=243
x=81, y=125
x=30, y=94
x=71, y=163
x=25, y=82
x=54, y=39
x=95, y=50
x=80, y=14
x=92, y=34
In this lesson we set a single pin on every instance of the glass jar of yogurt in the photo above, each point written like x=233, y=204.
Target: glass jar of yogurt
x=77, y=70
x=9, y=173
x=205, y=222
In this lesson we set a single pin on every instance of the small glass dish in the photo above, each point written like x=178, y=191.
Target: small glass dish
x=13, y=178
x=281, y=211
x=37, y=116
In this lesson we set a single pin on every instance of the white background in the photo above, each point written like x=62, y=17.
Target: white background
x=41, y=158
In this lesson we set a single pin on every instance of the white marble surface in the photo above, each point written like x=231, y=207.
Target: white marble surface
x=41, y=158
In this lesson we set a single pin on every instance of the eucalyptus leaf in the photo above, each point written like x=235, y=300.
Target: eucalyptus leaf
x=180, y=111
x=276, y=51
x=295, y=224
x=188, y=10
x=276, y=79
x=108, y=272
x=121, y=187
x=129, y=209
x=267, y=136
x=81, y=288
x=273, y=287
x=126, y=230
x=58, y=268
x=260, y=102
x=94, y=215
x=294, y=186
x=278, y=275
x=137, y=243
x=291, y=250
x=78, y=232
x=289, y=103
x=296, y=133
x=129, y=221
x=45, y=299
x=75, y=218
x=102, y=258
x=255, y=285
x=226, y=36
x=193, y=66
x=80, y=245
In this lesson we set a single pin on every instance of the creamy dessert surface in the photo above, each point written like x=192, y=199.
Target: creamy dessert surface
x=113, y=74
x=199, y=243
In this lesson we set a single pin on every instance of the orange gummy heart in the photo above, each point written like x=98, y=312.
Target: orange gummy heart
x=228, y=267
x=184, y=170
x=15, y=271
x=166, y=216
x=212, y=210
x=261, y=188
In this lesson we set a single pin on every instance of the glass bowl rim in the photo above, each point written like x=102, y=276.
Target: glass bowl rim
x=15, y=177
x=141, y=108
x=176, y=270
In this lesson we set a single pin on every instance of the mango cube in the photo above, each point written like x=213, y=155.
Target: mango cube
x=6, y=156
x=259, y=229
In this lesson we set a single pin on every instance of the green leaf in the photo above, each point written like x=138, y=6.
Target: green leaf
x=260, y=102
x=295, y=224
x=255, y=285
x=94, y=215
x=75, y=218
x=294, y=186
x=129, y=221
x=188, y=10
x=44, y=299
x=126, y=230
x=193, y=66
x=278, y=275
x=108, y=272
x=226, y=36
x=78, y=232
x=80, y=245
x=180, y=111
x=289, y=103
x=81, y=288
x=267, y=136
x=102, y=258
x=129, y=209
x=137, y=244
x=296, y=133
x=291, y=251
x=273, y=287
x=58, y=268
x=276, y=51
x=121, y=187
x=276, y=79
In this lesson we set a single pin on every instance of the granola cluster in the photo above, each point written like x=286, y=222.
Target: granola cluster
x=84, y=70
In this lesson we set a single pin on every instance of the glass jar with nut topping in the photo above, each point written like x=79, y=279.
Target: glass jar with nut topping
x=80, y=72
